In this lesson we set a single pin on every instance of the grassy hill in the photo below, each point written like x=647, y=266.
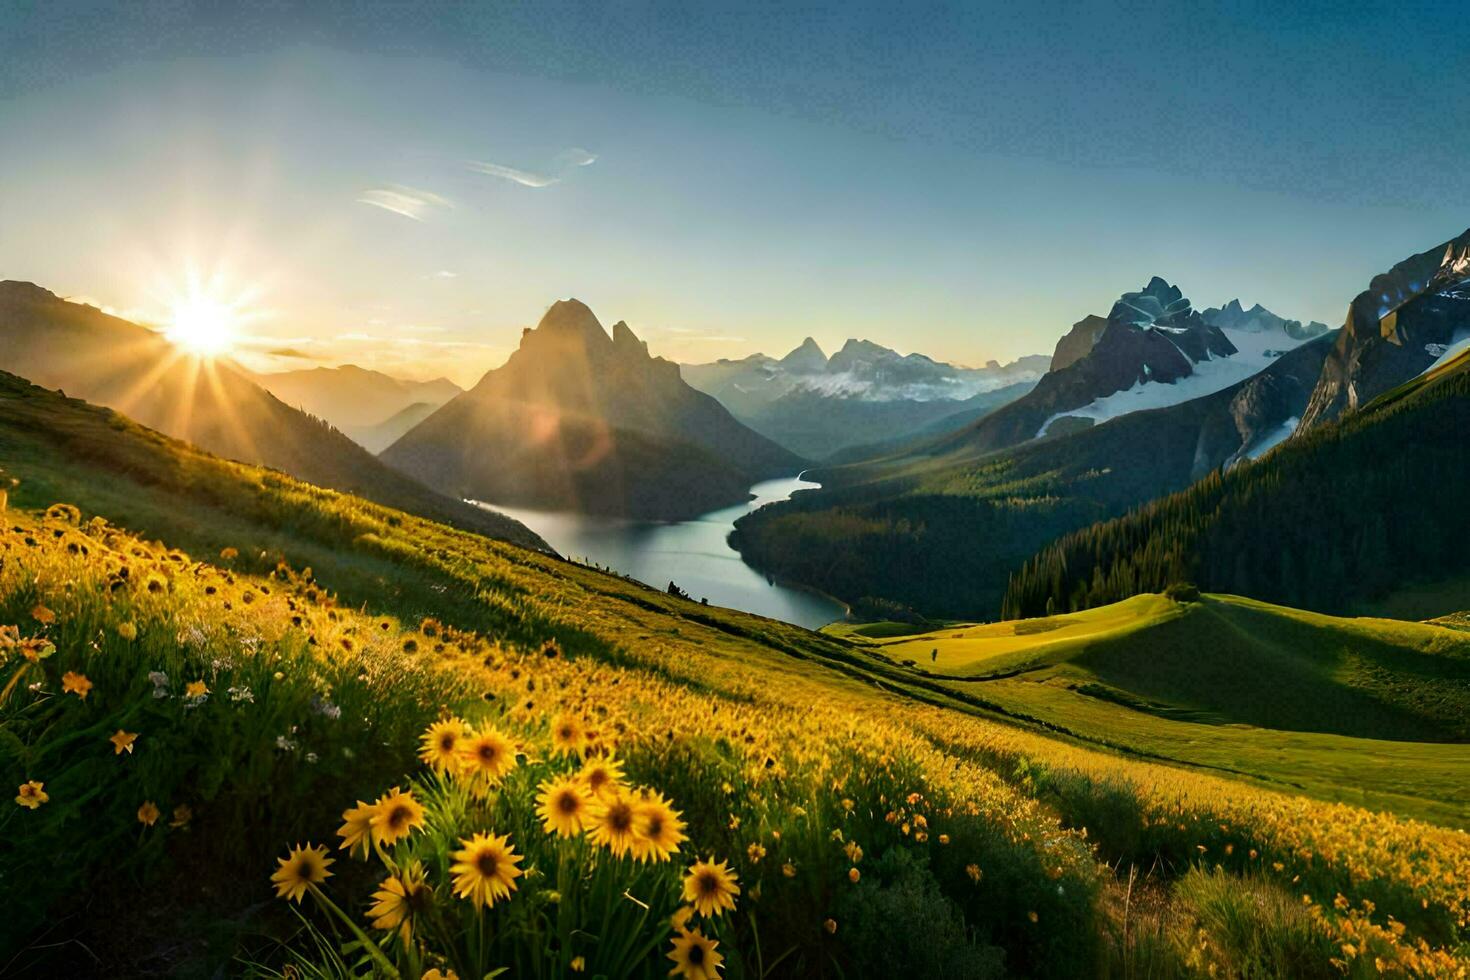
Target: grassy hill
x=1257, y=689
x=1353, y=510
x=351, y=626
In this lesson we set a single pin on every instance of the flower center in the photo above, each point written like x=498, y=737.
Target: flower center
x=709, y=884
x=486, y=864
x=567, y=802
x=696, y=955
x=620, y=818
x=399, y=816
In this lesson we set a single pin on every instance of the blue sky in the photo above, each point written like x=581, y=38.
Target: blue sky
x=964, y=181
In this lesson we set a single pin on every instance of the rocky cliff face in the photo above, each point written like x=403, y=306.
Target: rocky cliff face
x=1395, y=329
x=1152, y=336
x=580, y=420
x=1258, y=319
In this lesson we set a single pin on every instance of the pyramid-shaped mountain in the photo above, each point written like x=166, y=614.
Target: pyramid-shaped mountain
x=579, y=420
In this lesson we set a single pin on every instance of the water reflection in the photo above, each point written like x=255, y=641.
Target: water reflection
x=693, y=554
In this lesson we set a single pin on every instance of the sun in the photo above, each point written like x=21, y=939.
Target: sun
x=203, y=326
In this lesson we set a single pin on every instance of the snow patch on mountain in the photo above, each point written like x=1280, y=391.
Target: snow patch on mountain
x=1255, y=352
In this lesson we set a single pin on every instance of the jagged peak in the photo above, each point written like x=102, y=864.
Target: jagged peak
x=807, y=355
x=624, y=338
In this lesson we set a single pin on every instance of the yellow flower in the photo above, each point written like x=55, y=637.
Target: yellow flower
x=395, y=816
x=710, y=888
x=853, y=874
x=854, y=852
x=122, y=741
x=695, y=957
x=568, y=735
x=755, y=852
x=229, y=553
x=356, y=829
x=182, y=815
x=487, y=755
x=31, y=795
x=441, y=744
x=485, y=870
x=437, y=974
x=148, y=813
x=127, y=631
x=602, y=775
x=561, y=806
x=301, y=869
x=400, y=900
x=657, y=829
x=195, y=689
x=578, y=964
x=612, y=823
x=679, y=921
x=831, y=926
x=74, y=683
x=788, y=869
x=973, y=870
x=43, y=615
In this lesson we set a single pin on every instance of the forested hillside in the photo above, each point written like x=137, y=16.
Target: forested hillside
x=1348, y=511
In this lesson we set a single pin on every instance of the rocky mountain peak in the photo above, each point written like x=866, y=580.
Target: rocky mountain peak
x=807, y=358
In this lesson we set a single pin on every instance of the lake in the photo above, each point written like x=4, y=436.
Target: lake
x=693, y=554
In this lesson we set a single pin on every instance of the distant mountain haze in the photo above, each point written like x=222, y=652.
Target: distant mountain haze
x=862, y=395
x=578, y=420
x=112, y=362
x=364, y=404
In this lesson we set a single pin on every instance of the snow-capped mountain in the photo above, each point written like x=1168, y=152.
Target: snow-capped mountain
x=1152, y=350
x=865, y=393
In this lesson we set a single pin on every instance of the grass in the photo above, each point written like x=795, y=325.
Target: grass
x=1340, y=708
x=760, y=733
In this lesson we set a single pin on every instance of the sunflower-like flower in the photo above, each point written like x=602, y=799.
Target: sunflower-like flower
x=613, y=822
x=568, y=735
x=711, y=888
x=400, y=900
x=440, y=744
x=75, y=683
x=695, y=957
x=122, y=741
x=148, y=813
x=657, y=827
x=601, y=775
x=487, y=756
x=357, y=827
x=485, y=870
x=395, y=816
x=563, y=806
x=303, y=868
x=31, y=795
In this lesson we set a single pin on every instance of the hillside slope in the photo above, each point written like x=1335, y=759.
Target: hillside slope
x=356, y=400
x=1350, y=510
x=960, y=845
x=109, y=361
x=577, y=420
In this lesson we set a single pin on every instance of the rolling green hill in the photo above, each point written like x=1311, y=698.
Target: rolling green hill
x=1325, y=704
x=1349, y=511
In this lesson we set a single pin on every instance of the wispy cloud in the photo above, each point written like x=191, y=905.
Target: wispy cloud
x=407, y=201
x=564, y=162
x=442, y=274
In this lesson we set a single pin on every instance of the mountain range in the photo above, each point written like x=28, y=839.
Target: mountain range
x=371, y=408
x=211, y=403
x=863, y=394
x=583, y=421
x=1139, y=403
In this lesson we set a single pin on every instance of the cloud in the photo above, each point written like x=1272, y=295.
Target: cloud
x=564, y=162
x=442, y=274
x=407, y=201
x=290, y=352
